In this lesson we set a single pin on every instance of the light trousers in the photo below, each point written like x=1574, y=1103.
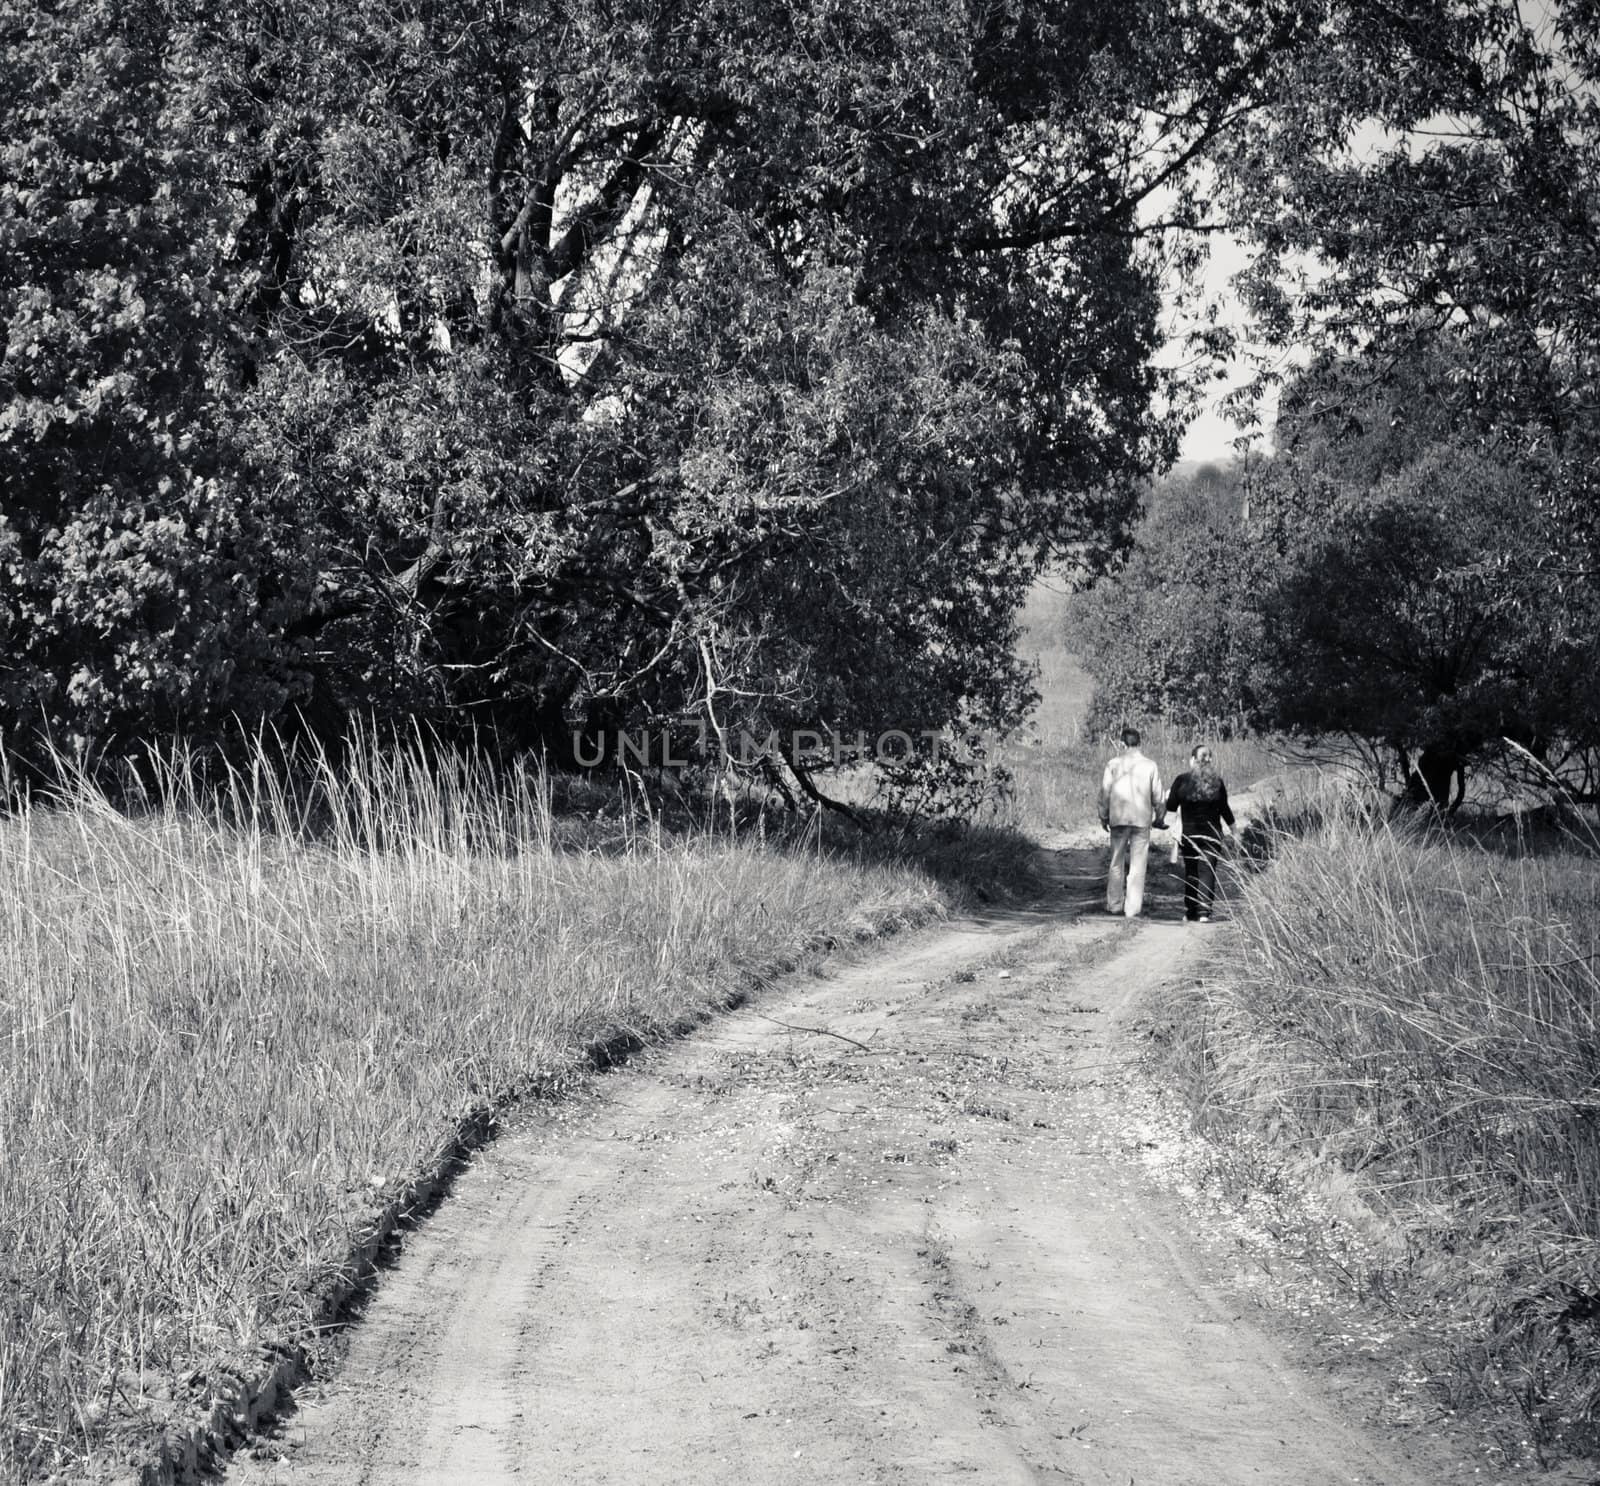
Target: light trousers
x=1130, y=849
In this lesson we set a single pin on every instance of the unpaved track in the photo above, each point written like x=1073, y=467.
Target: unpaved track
x=765, y=1255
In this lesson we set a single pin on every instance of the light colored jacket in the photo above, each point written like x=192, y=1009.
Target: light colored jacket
x=1131, y=792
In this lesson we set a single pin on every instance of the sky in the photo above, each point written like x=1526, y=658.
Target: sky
x=1210, y=438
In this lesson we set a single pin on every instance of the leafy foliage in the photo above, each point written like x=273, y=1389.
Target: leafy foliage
x=1433, y=182
x=1424, y=210
x=129, y=550
x=1393, y=582
x=583, y=368
x=1425, y=594
x=1175, y=632
x=1415, y=612
x=1423, y=207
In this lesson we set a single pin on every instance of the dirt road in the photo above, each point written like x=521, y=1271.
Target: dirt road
x=922, y=1249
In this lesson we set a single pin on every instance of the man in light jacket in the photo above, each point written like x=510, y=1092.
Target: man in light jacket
x=1131, y=803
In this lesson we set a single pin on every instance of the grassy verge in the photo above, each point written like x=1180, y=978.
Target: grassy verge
x=235, y=1031
x=1420, y=1014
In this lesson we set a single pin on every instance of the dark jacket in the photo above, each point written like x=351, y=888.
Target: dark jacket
x=1204, y=804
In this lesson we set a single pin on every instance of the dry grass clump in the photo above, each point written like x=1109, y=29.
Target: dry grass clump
x=233, y=1025
x=1425, y=1011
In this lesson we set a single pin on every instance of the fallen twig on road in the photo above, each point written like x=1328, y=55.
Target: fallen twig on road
x=819, y=1032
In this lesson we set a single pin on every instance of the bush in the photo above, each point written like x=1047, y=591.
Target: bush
x=1425, y=1012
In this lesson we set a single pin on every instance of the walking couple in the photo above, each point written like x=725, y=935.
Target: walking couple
x=1132, y=805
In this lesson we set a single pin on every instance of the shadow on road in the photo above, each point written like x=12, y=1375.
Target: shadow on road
x=1076, y=869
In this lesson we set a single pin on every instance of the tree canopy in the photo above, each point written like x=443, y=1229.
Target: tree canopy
x=1386, y=576
x=1435, y=179
x=556, y=367
x=599, y=365
x=1423, y=214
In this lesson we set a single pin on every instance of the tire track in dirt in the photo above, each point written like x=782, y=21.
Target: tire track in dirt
x=766, y=1255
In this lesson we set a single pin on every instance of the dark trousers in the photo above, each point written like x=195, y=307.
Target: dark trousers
x=1200, y=854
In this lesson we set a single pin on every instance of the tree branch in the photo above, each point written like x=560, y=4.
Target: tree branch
x=607, y=210
x=808, y=786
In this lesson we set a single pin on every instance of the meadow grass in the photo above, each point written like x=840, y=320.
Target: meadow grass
x=238, y=1021
x=1418, y=1009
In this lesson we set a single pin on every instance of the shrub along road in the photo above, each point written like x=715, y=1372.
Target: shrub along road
x=926, y=1247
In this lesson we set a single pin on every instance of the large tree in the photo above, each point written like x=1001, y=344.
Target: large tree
x=1390, y=575
x=1425, y=207
x=596, y=362
x=1413, y=612
x=1436, y=178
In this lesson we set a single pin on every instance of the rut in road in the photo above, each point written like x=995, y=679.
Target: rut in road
x=769, y=1255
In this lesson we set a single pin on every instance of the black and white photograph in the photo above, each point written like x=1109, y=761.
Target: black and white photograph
x=799, y=742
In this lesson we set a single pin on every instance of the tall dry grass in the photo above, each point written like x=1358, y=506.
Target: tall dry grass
x=234, y=1023
x=1423, y=1009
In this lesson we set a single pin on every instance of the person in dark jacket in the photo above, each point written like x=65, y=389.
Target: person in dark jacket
x=1202, y=798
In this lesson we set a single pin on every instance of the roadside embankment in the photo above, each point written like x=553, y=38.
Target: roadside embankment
x=242, y=1048
x=1415, y=1016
